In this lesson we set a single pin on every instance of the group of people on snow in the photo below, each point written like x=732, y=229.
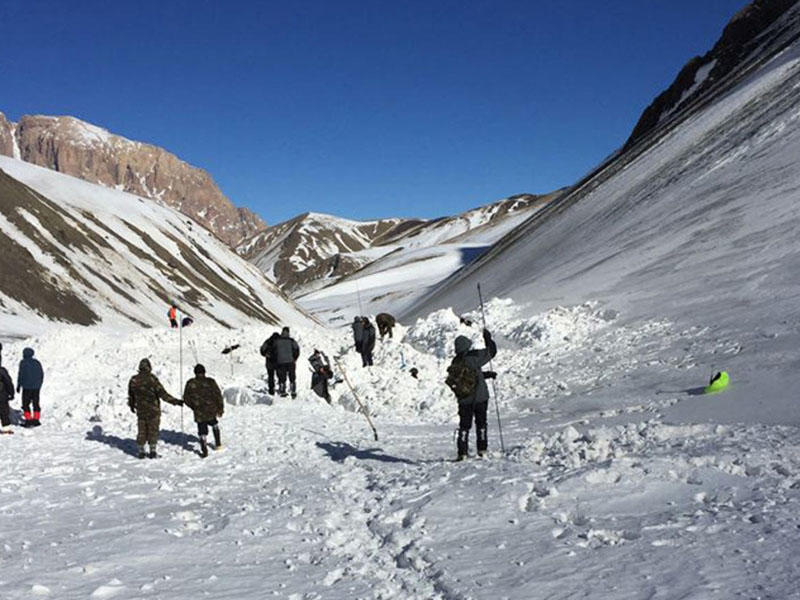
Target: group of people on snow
x=201, y=394
x=281, y=351
x=30, y=378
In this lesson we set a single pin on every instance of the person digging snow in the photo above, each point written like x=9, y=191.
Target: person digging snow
x=29, y=381
x=145, y=393
x=468, y=383
x=385, y=323
x=202, y=395
x=286, y=354
x=322, y=373
x=6, y=396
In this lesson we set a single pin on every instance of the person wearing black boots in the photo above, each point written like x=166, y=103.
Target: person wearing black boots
x=286, y=354
x=203, y=396
x=474, y=403
x=367, y=342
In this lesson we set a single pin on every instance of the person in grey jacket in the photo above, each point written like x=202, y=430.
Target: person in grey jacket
x=367, y=342
x=358, y=332
x=29, y=381
x=474, y=406
x=286, y=352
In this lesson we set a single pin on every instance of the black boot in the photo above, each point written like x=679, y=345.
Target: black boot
x=482, y=441
x=217, y=438
x=462, y=444
x=141, y=452
x=203, y=447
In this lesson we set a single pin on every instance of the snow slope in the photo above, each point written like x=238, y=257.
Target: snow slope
x=116, y=259
x=407, y=268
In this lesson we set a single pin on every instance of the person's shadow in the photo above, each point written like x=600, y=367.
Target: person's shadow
x=695, y=391
x=129, y=446
x=339, y=451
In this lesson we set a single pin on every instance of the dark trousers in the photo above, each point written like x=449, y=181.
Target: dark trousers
x=5, y=412
x=366, y=357
x=147, y=431
x=466, y=414
x=271, y=378
x=284, y=371
x=202, y=428
x=30, y=397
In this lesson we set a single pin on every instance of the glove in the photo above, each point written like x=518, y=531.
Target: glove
x=486, y=335
x=489, y=375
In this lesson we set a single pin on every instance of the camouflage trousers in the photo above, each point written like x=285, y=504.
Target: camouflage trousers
x=148, y=431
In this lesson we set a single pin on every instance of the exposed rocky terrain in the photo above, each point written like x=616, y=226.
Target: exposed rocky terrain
x=313, y=250
x=77, y=148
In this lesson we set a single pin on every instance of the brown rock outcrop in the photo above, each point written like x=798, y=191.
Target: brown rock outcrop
x=6, y=136
x=71, y=146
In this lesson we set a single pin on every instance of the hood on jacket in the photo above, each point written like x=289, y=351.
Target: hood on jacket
x=145, y=366
x=463, y=344
x=27, y=353
x=285, y=332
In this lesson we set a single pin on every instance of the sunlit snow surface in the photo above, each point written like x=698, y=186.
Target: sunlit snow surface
x=620, y=479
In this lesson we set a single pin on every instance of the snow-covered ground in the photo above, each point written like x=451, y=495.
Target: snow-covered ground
x=605, y=490
x=620, y=479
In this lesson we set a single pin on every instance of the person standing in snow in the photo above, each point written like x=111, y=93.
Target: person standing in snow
x=322, y=373
x=202, y=395
x=367, y=342
x=385, y=323
x=358, y=332
x=172, y=314
x=6, y=396
x=145, y=393
x=29, y=381
x=267, y=350
x=286, y=354
x=469, y=383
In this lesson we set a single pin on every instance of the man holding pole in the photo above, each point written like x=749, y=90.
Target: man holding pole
x=468, y=382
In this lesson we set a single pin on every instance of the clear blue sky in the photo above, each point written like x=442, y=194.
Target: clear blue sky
x=363, y=109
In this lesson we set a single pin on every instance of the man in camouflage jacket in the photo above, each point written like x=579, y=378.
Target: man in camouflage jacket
x=145, y=393
x=202, y=395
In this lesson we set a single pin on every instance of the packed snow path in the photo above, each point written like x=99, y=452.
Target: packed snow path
x=602, y=494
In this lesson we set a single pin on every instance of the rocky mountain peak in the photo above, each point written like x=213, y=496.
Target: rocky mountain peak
x=74, y=147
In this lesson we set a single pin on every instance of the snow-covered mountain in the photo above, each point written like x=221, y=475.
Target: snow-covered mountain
x=81, y=253
x=315, y=246
x=74, y=147
x=398, y=271
x=692, y=204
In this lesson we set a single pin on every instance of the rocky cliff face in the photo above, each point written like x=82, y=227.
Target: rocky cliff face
x=6, y=136
x=756, y=32
x=71, y=146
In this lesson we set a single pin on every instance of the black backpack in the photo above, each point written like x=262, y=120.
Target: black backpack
x=461, y=378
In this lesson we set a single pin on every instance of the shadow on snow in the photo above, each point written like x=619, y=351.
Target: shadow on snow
x=129, y=446
x=339, y=451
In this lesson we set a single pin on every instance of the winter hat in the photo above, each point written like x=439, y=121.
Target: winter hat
x=144, y=366
x=285, y=331
x=463, y=344
x=27, y=353
x=199, y=369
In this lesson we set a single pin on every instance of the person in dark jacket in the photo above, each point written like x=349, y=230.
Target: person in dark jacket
x=6, y=396
x=367, y=343
x=286, y=354
x=358, y=332
x=474, y=406
x=322, y=373
x=268, y=352
x=29, y=381
x=203, y=396
x=145, y=394
x=385, y=323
